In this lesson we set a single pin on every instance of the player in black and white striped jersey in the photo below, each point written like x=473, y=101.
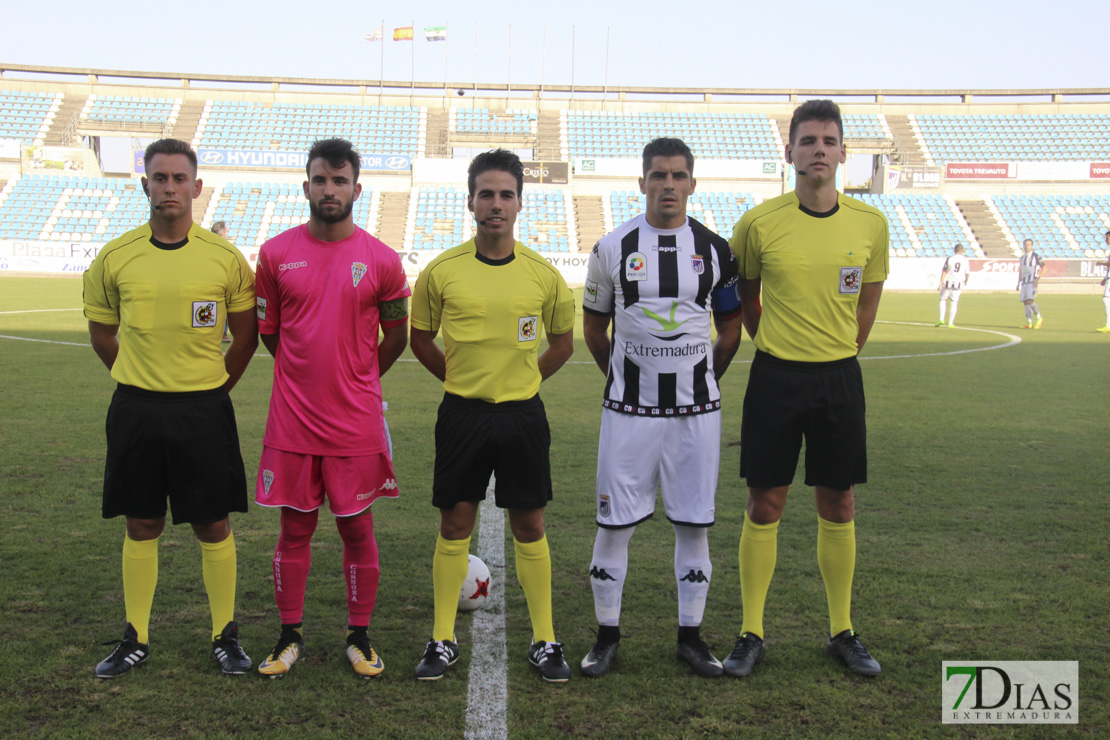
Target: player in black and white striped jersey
x=662, y=279
x=1029, y=277
x=953, y=277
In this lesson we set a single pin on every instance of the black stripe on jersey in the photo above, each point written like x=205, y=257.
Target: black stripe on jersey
x=631, y=382
x=668, y=390
x=705, y=243
x=630, y=288
x=701, y=387
x=668, y=266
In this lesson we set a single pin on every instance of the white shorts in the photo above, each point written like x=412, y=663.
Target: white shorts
x=950, y=293
x=1028, y=292
x=637, y=455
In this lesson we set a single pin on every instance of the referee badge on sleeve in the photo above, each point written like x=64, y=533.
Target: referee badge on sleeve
x=850, y=279
x=204, y=314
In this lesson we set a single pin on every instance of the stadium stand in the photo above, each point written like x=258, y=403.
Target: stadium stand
x=924, y=225
x=1012, y=137
x=257, y=211
x=127, y=109
x=515, y=121
x=1060, y=226
x=26, y=116
x=52, y=208
x=372, y=129
x=438, y=218
x=866, y=126
x=711, y=135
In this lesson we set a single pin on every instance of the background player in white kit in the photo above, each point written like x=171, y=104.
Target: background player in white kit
x=1029, y=275
x=659, y=278
x=1105, y=283
x=953, y=277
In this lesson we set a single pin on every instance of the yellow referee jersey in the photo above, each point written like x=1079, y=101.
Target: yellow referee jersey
x=811, y=267
x=490, y=313
x=170, y=303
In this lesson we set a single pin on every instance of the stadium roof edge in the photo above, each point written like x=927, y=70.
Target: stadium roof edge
x=788, y=95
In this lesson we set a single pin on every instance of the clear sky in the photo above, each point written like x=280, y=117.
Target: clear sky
x=798, y=44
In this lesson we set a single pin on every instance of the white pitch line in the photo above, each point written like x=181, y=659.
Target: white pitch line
x=1013, y=340
x=487, y=691
x=39, y=310
x=45, y=341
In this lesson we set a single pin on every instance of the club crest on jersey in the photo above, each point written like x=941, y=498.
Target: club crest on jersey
x=358, y=269
x=526, y=328
x=260, y=307
x=204, y=314
x=850, y=279
x=697, y=262
x=635, y=267
x=603, y=505
x=267, y=480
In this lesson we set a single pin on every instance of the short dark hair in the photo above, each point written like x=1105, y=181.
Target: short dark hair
x=495, y=159
x=816, y=110
x=1025, y=241
x=667, y=147
x=335, y=152
x=169, y=146
x=219, y=228
x=959, y=248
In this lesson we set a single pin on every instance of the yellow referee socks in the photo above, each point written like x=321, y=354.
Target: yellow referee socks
x=449, y=566
x=533, y=570
x=218, y=565
x=140, y=577
x=836, y=555
x=758, y=552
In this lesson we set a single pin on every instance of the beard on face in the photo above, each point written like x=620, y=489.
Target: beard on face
x=330, y=218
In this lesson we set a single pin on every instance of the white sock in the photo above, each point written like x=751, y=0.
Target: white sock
x=693, y=570
x=952, y=313
x=608, y=570
x=941, y=319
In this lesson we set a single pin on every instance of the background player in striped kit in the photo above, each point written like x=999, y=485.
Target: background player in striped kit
x=1029, y=277
x=1105, y=328
x=953, y=277
x=660, y=278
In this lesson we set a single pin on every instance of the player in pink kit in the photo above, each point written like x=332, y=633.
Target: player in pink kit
x=323, y=289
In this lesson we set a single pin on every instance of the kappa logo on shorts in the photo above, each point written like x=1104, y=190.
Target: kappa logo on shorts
x=267, y=481
x=850, y=279
x=603, y=505
x=635, y=267
x=526, y=328
x=260, y=307
x=358, y=269
x=204, y=314
x=389, y=485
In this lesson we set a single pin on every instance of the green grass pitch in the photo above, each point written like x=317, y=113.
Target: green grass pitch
x=982, y=535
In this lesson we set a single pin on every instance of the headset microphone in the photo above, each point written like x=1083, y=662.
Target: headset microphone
x=481, y=223
x=800, y=172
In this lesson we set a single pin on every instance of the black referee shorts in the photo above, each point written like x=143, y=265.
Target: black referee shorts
x=180, y=446
x=475, y=438
x=821, y=402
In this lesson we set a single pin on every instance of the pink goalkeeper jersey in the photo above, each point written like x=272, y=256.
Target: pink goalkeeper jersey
x=322, y=298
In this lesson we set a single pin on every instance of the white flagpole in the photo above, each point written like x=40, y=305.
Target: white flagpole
x=509, y=82
x=475, y=57
x=381, y=66
x=412, y=64
x=543, y=57
x=446, y=46
x=572, y=62
x=605, y=88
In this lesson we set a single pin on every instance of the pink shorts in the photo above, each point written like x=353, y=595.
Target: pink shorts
x=301, y=482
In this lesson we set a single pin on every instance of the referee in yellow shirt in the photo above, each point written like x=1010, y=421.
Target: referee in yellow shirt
x=821, y=259
x=490, y=296
x=156, y=299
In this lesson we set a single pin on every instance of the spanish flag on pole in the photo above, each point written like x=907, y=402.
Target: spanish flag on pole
x=402, y=34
